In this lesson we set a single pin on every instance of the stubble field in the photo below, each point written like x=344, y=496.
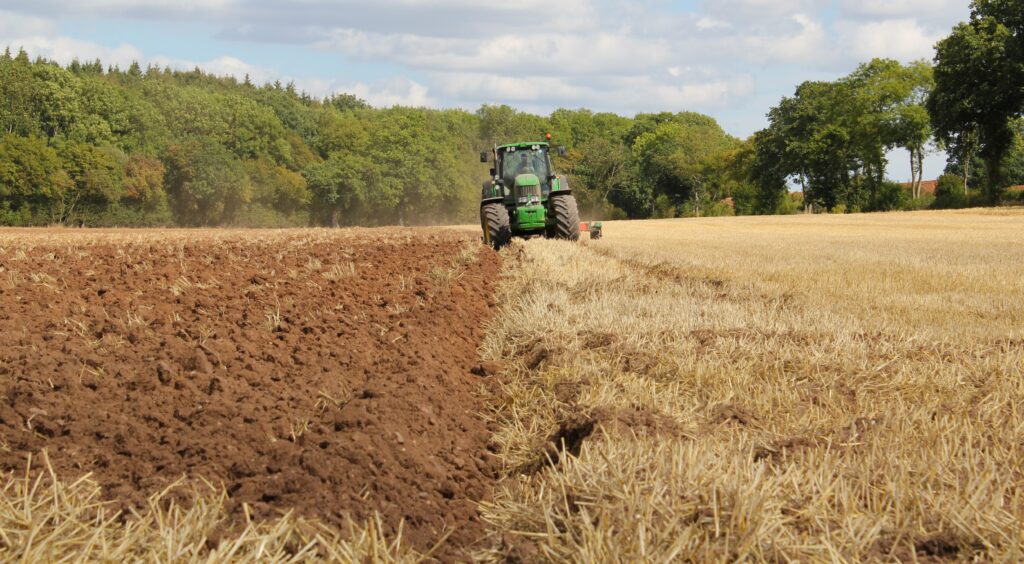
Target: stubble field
x=796, y=388
x=801, y=388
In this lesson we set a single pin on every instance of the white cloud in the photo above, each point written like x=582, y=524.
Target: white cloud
x=308, y=20
x=942, y=10
x=385, y=93
x=758, y=12
x=65, y=49
x=902, y=39
x=509, y=53
x=734, y=57
x=394, y=92
x=14, y=24
x=220, y=66
x=623, y=94
x=802, y=39
x=39, y=37
x=708, y=22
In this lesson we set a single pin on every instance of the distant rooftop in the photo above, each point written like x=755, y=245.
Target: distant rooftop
x=927, y=186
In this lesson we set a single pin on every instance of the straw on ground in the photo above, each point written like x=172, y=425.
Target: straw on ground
x=813, y=388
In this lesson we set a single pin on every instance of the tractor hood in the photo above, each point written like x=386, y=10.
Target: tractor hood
x=527, y=180
x=530, y=212
x=527, y=190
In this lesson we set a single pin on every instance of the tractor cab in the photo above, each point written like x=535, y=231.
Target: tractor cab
x=514, y=161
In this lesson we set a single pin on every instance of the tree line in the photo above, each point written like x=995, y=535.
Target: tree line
x=100, y=145
x=831, y=138
x=160, y=147
x=88, y=143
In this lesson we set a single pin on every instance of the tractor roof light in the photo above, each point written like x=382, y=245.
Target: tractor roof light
x=548, y=136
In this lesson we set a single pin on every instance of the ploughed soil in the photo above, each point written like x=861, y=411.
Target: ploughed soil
x=316, y=370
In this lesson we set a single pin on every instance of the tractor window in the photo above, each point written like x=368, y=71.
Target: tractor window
x=525, y=161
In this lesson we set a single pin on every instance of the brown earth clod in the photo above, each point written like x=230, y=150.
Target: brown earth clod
x=227, y=356
x=488, y=368
x=732, y=413
x=638, y=421
x=567, y=439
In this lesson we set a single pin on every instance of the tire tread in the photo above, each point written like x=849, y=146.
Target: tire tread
x=567, y=217
x=495, y=220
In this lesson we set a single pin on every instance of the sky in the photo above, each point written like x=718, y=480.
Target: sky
x=731, y=59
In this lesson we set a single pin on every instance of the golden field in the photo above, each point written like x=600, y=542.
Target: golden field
x=779, y=388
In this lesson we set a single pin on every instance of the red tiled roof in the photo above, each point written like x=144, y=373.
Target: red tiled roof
x=928, y=186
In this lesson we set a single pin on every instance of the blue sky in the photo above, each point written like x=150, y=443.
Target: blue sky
x=732, y=59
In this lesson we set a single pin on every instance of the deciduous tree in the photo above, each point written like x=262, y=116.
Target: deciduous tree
x=979, y=85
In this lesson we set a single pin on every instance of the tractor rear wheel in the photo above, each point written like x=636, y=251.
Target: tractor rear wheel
x=567, y=218
x=495, y=223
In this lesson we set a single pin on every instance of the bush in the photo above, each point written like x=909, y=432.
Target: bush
x=949, y=193
x=603, y=212
x=615, y=213
x=890, y=196
x=118, y=215
x=926, y=201
x=1015, y=197
x=663, y=208
x=719, y=209
x=255, y=215
x=23, y=216
x=790, y=204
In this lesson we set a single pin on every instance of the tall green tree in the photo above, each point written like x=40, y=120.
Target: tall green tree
x=97, y=178
x=17, y=85
x=503, y=124
x=831, y=138
x=276, y=188
x=979, y=85
x=602, y=166
x=56, y=98
x=339, y=187
x=809, y=141
x=206, y=183
x=974, y=174
x=673, y=156
x=32, y=178
x=144, y=182
x=911, y=121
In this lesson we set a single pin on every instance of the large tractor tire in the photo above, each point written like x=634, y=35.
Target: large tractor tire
x=567, y=218
x=495, y=223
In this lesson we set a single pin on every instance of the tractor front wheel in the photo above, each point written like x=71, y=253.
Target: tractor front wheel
x=566, y=216
x=495, y=223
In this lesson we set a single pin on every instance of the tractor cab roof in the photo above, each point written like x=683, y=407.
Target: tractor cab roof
x=523, y=145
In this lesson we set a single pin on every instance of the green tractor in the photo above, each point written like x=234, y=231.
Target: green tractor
x=524, y=197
